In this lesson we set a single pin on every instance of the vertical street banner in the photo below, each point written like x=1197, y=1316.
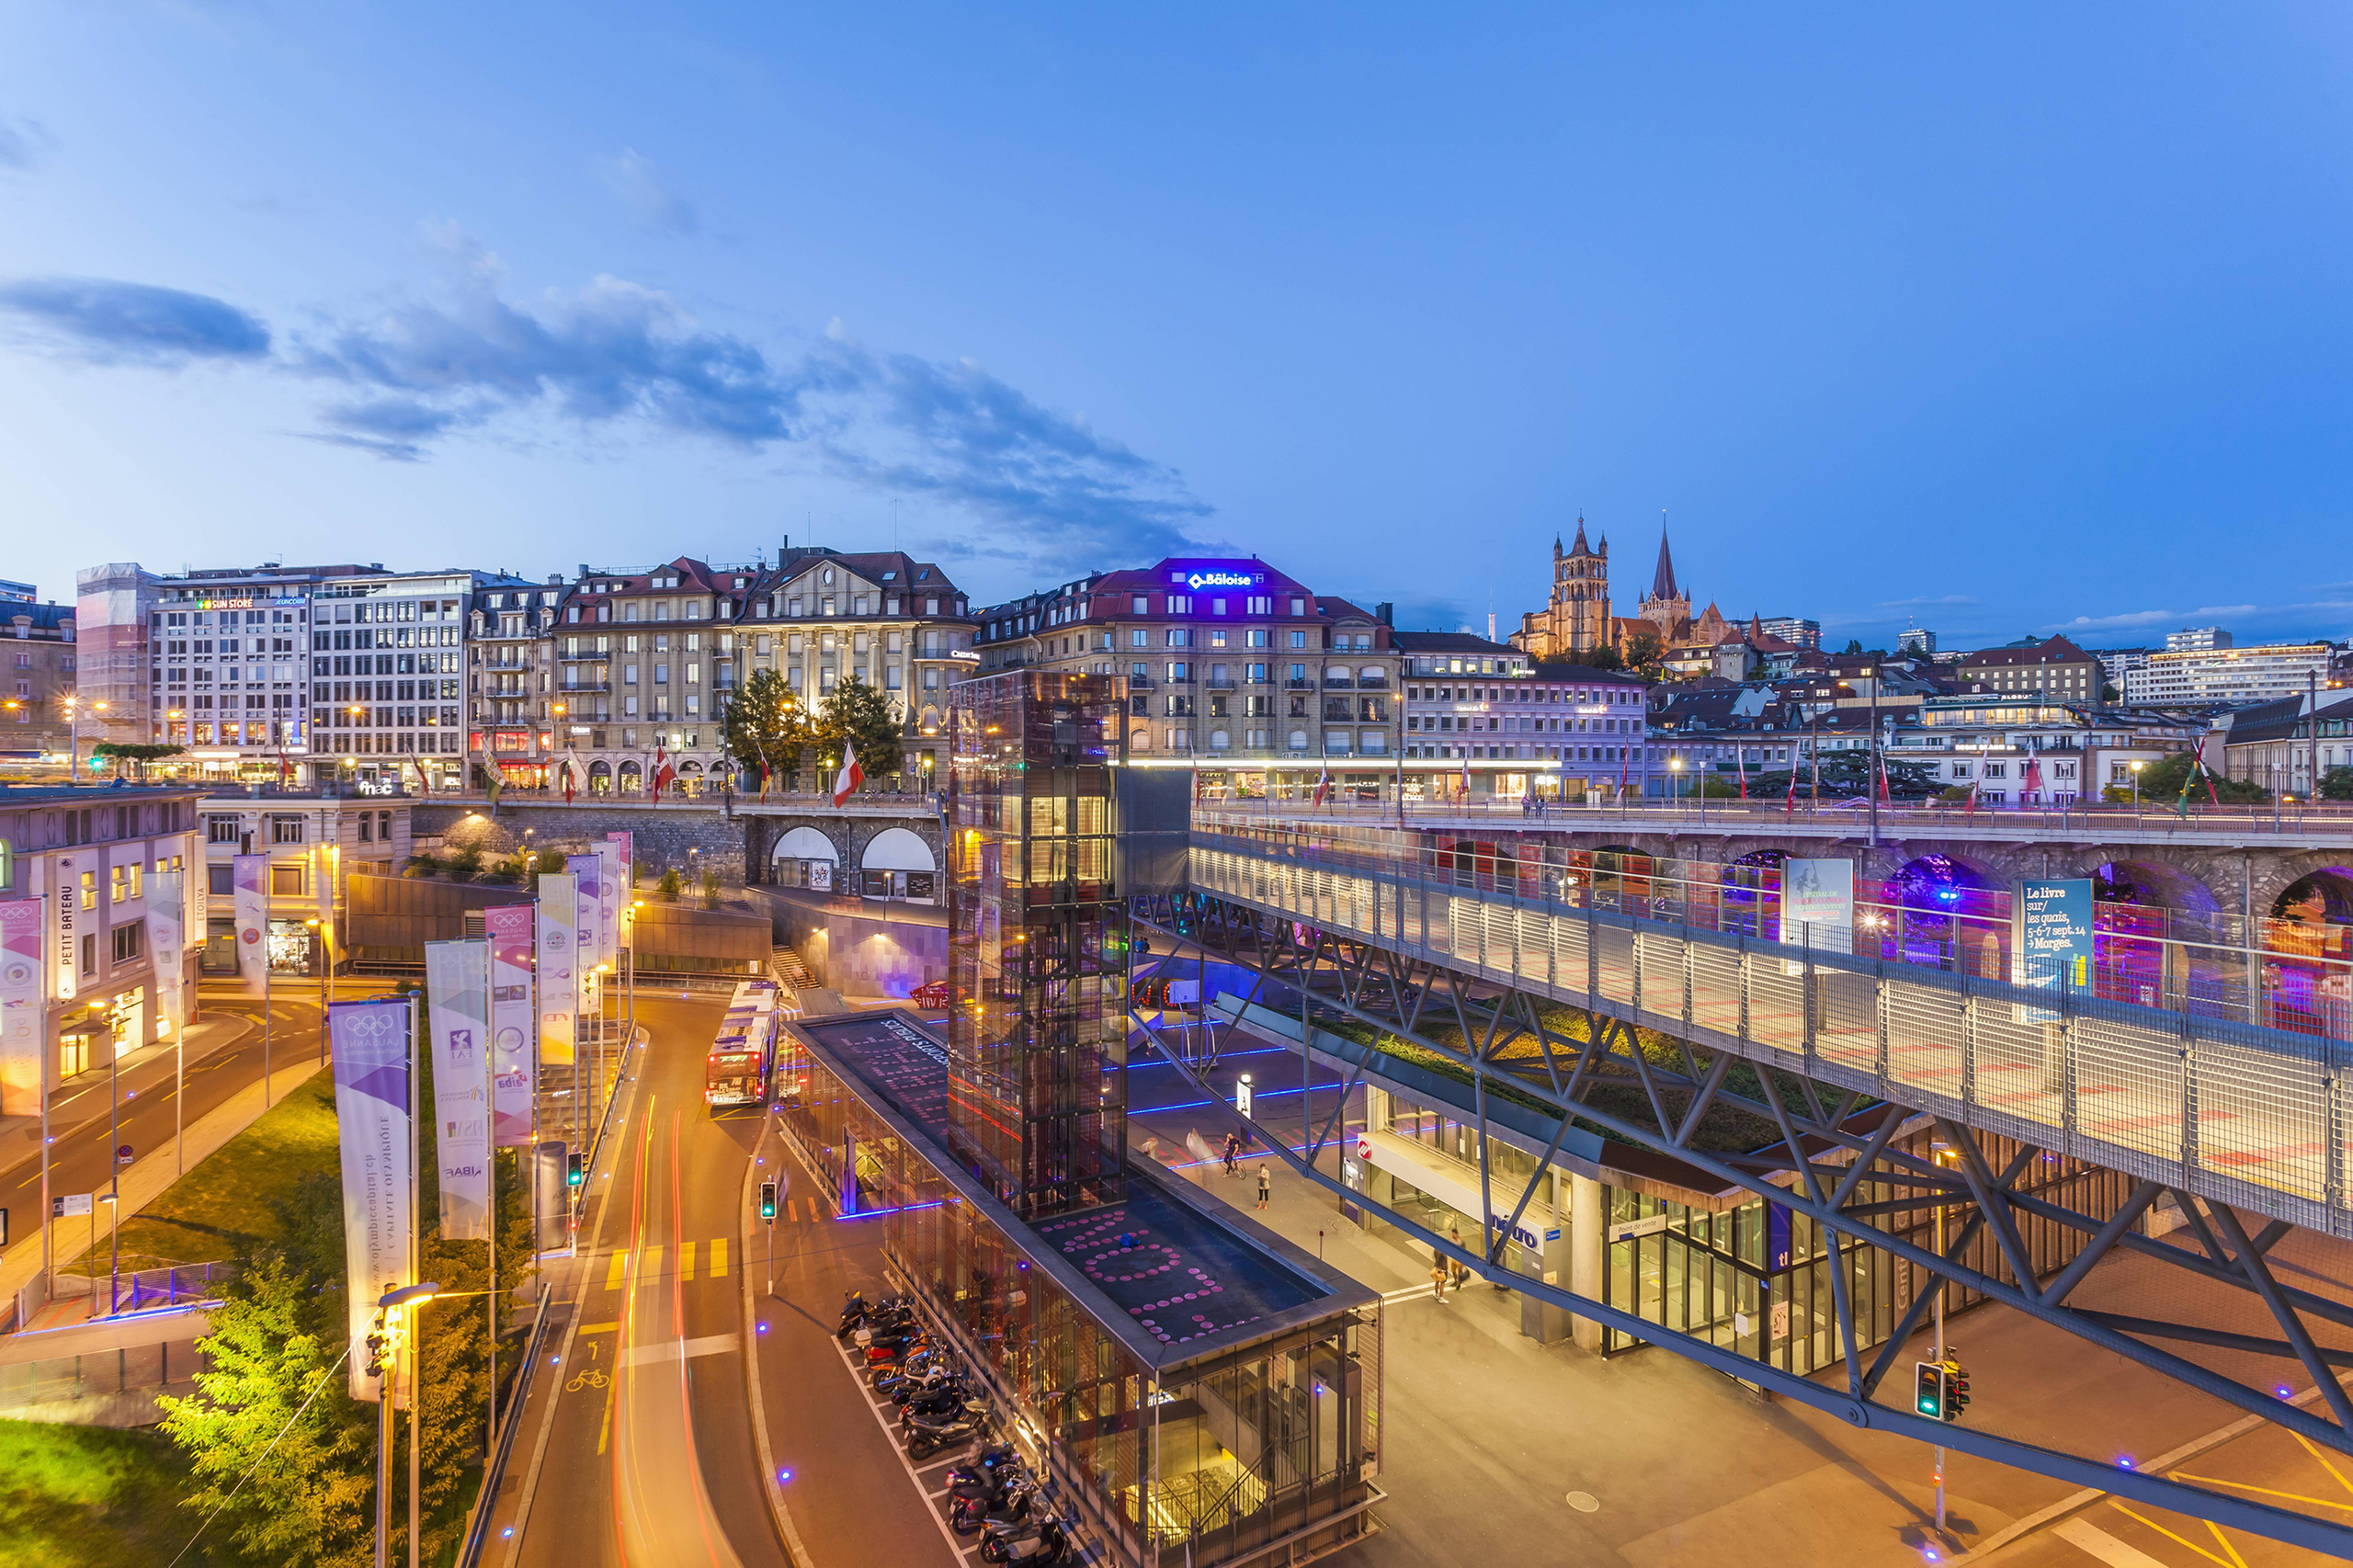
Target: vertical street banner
x=324, y=863
x=624, y=885
x=67, y=908
x=559, y=976
x=457, y=992
x=370, y=1042
x=609, y=904
x=166, y=939
x=587, y=877
x=22, y=1010
x=252, y=882
x=2051, y=937
x=1818, y=905
x=512, y=1019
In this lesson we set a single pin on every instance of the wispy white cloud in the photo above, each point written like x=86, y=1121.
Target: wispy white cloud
x=23, y=142
x=466, y=359
x=649, y=196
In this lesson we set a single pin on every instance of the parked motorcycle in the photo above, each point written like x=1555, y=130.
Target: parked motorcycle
x=857, y=1310
x=1037, y=1544
x=928, y=1434
x=1009, y=1508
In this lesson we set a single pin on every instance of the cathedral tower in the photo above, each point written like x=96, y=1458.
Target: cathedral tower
x=1576, y=619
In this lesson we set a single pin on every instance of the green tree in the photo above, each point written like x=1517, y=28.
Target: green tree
x=138, y=756
x=1603, y=657
x=465, y=863
x=2162, y=782
x=1645, y=652
x=2336, y=784
x=551, y=862
x=767, y=723
x=857, y=714
x=668, y=887
x=276, y=1341
x=710, y=889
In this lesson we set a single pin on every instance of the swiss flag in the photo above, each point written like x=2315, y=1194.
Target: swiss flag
x=1323, y=785
x=851, y=776
x=663, y=771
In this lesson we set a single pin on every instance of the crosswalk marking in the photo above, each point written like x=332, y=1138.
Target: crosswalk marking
x=792, y=1209
x=713, y=1261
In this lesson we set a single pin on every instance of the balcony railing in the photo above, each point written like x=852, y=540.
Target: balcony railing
x=1338, y=683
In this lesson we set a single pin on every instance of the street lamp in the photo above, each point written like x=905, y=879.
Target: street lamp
x=1675, y=773
x=2136, y=788
x=392, y=1308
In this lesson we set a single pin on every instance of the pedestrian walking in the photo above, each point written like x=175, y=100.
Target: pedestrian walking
x=1265, y=1187
x=1462, y=1271
x=1233, y=1155
x=1438, y=1280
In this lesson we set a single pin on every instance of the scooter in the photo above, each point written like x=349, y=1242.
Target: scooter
x=891, y=1378
x=935, y=1403
x=857, y=1310
x=930, y=1379
x=1006, y=1510
x=985, y=1469
x=898, y=1352
x=928, y=1434
x=1034, y=1545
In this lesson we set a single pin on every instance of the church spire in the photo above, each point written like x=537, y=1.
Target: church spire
x=1580, y=548
x=1663, y=582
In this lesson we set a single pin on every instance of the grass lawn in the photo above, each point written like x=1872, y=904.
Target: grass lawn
x=237, y=1193
x=72, y=1495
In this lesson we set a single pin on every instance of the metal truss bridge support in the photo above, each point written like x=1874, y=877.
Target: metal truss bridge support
x=1832, y=1143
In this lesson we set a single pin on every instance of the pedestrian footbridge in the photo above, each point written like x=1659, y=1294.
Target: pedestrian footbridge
x=2234, y=1112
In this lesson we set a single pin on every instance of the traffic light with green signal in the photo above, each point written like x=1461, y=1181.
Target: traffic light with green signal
x=1928, y=1384
x=767, y=1200
x=574, y=1170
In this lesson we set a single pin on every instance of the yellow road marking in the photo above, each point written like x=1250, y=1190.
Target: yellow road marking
x=599, y=1327
x=719, y=1259
x=2264, y=1491
x=792, y=1209
x=652, y=1267
x=618, y=1266
x=2161, y=1529
x=686, y=1261
x=2324, y=1460
x=2233, y=1551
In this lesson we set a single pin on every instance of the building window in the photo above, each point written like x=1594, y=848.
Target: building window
x=130, y=940
x=286, y=830
x=286, y=881
x=222, y=829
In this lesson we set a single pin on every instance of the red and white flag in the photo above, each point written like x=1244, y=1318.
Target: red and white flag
x=1323, y=785
x=1466, y=778
x=1789, y=806
x=563, y=776
x=663, y=771
x=423, y=784
x=846, y=781
x=2033, y=779
x=1740, y=764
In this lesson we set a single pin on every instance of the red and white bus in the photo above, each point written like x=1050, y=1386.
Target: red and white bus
x=744, y=1051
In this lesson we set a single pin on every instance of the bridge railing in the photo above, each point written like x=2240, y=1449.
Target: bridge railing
x=2326, y=822
x=2238, y=1112
x=2285, y=974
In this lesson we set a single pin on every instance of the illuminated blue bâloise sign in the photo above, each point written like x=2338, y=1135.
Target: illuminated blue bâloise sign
x=1223, y=577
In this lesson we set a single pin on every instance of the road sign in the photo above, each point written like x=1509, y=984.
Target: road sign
x=73, y=1205
x=122, y=1155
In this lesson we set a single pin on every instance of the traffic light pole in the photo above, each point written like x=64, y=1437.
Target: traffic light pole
x=1939, y=1304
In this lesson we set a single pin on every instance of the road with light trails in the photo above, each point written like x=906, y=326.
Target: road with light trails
x=650, y=1458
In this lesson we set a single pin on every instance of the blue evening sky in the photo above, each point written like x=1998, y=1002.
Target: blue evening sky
x=2006, y=318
